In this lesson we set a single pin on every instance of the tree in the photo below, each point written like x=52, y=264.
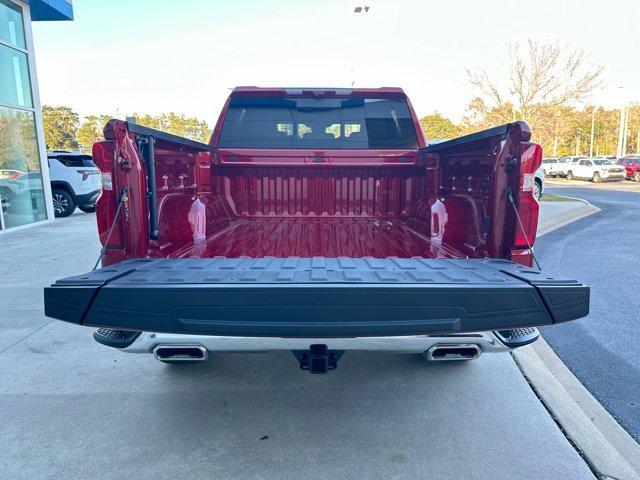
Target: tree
x=438, y=127
x=18, y=146
x=178, y=124
x=633, y=144
x=549, y=75
x=60, y=128
x=91, y=131
x=543, y=86
x=481, y=116
x=63, y=131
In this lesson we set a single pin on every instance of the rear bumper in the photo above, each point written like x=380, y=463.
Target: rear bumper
x=315, y=298
x=148, y=341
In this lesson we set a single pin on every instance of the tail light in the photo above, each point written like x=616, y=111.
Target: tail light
x=87, y=173
x=528, y=207
x=107, y=181
x=103, y=153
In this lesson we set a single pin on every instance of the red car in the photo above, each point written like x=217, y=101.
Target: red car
x=631, y=164
x=316, y=221
x=11, y=174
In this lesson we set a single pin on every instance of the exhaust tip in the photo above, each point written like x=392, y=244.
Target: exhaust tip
x=181, y=353
x=452, y=352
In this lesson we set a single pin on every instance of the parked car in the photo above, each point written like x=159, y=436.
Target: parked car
x=631, y=164
x=4, y=200
x=550, y=166
x=317, y=221
x=10, y=174
x=75, y=181
x=564, y=164
x=9, y=187
x=20, y=195
x=596, y=170
x=538, y=187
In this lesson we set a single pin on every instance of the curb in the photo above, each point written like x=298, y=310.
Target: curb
x=610, y=452
x=606, y=447
x=572, y=216
x=613, y=186
x=567, y=183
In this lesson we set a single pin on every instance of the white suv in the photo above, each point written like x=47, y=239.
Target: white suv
x=595, y=169
x=75, y=181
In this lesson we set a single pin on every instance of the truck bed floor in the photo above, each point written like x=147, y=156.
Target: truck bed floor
x=309, y=237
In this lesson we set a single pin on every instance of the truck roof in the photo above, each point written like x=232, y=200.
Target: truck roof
x=347, y=91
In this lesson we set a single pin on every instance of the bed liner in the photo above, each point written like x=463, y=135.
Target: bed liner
x=316, y=297
x=310, y=236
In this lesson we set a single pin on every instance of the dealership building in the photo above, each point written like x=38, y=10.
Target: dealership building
x=25, y=192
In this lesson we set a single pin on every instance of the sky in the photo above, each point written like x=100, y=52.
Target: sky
x=152, y=56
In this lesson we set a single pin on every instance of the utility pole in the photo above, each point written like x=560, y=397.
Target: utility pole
x=593, y=130
x=623, y=114
x=625, y=137
x=555, y=134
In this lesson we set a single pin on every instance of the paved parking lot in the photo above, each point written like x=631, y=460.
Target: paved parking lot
x=625, y=185
x=70, y=408
x=603, y=251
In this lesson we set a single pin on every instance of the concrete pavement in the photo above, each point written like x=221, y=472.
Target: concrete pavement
x=554, y=215
x=71, y=408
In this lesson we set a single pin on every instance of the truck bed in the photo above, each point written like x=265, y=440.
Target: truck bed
x=309, y=237
x=315, y=297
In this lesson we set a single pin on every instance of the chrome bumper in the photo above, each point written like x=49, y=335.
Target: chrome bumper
x=147, y=341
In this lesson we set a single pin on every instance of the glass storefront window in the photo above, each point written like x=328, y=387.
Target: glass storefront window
x=21, y=188
x=11, y=26
x=22, y=196
x=15, y=88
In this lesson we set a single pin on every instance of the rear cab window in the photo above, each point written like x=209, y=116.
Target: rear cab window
x=308, y=122
x=75, y=161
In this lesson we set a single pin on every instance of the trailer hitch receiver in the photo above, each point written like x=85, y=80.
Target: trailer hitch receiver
x=318, y=359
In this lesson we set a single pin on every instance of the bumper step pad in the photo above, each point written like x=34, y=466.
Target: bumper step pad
x=316, y=297
x=115, y=338
x=518, y=337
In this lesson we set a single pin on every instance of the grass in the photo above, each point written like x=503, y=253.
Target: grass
x=551, y=197
x=562, y=180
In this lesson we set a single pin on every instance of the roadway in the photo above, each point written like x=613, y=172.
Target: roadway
x=602, y=250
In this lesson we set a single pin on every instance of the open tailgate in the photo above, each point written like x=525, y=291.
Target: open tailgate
x=319, y=297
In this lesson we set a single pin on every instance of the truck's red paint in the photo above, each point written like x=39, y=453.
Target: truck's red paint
x=317, y=202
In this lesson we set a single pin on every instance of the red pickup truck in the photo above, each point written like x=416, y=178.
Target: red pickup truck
x=316, y=221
